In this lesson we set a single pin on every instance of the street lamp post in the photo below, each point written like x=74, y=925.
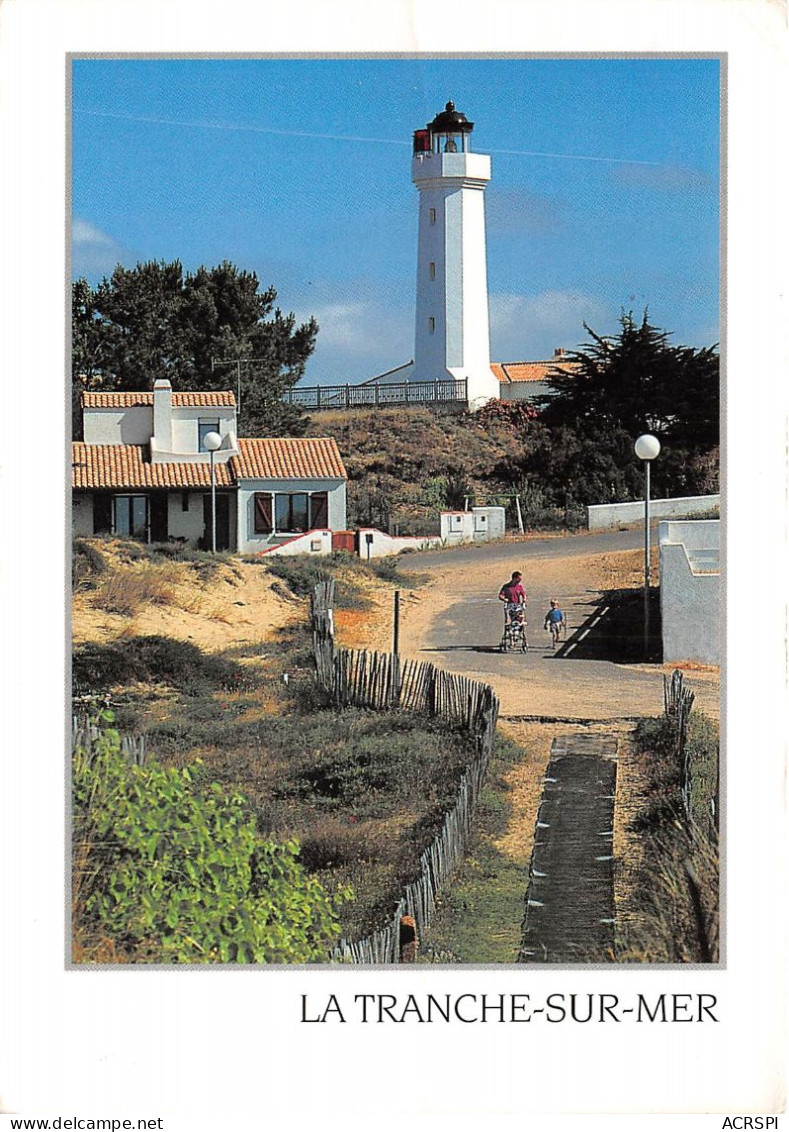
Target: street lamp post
x=647, y=449
x=212, y=441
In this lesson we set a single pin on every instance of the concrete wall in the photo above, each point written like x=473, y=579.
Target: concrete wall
x=118, y=426
x=611, y=514
x=313, y=542
x=251, y=543
x=189, y=524
x=382, y=544
x=690, y=591
x=134, y=425
x=480, y=524
x=82, y=513
x=523, y=390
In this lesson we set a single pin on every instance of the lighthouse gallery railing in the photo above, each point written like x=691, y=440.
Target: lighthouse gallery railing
x=362, y=396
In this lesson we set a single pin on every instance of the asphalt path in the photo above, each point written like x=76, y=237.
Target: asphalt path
x=463, y=629
x=556, y=546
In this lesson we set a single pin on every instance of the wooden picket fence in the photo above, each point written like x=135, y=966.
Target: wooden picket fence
x=677, y=705
x=84, y=734
x=383, y=682
x=322, y=619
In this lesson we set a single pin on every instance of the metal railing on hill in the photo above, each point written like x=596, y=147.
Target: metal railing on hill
x=319, y=397
x=383, y=682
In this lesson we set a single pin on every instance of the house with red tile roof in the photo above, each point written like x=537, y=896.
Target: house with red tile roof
x=525, y=381
x=144, y=471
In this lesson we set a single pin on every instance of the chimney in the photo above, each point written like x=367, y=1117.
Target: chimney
x=162, y=438
x=559, y=352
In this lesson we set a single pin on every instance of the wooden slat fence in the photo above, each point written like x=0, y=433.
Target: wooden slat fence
x=84, y=734
x=677, y=704
x=322, y=619
x=382, y=682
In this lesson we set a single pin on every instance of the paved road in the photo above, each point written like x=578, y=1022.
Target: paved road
x=457, y=624
x=557, y=546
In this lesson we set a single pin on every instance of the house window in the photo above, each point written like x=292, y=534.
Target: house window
x=290, y=513
x=431, y=325
x=184, y=500
x=203, y=429
x=432, y=271
x=432, y=216
x=130, y=516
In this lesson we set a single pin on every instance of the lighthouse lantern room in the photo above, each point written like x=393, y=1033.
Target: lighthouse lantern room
x=452, y=335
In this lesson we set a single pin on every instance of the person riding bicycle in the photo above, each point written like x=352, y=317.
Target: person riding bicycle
x=554, y=620
x=513, y=595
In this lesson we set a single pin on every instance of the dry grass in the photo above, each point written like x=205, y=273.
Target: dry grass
x=127, y=591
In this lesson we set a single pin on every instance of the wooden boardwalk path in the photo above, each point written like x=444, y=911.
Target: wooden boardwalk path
x=570, y=901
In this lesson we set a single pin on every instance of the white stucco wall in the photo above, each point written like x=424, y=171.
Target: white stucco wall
x=480, y=524
x=690, y=591
x=186, y=425
x=381, y=544
x=523, y=390
x=313, y=542
x=189, y=524
x=118, y=426
x=82, y=513
x=605, y=515
x=251, y=543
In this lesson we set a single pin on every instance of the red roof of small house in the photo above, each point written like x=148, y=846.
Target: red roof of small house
x=126, y=466
x=288, y=457
x=531, y=371
x=205, y=400
x=120, y=466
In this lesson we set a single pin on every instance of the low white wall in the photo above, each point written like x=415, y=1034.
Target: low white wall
x=605, y=515
x=313, y=542
x=381, y=544
x=690, y=595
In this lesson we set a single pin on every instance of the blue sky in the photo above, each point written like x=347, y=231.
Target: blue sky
x=604, y=190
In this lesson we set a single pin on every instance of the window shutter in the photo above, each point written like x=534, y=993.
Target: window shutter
x=320, y=509
x=263, y=523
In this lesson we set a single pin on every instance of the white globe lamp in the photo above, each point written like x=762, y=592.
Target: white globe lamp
x=647, y=449
x=213, y=441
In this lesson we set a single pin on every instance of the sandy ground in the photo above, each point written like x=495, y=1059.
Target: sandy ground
x=239, y=603
x=434, y=621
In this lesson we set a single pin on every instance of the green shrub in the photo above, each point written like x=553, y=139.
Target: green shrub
x=174, y=869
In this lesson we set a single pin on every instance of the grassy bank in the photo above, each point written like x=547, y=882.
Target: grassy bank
x=479, y=914
x=670, y=912
x=363, y=793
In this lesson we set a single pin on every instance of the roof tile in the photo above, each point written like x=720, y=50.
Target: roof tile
x=121, y=466
x=309, y=457
x=192, y=400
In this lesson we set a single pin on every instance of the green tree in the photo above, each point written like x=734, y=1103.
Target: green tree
x=637, y=380
x=173, y=869
x=155, y=321
x=624, y=385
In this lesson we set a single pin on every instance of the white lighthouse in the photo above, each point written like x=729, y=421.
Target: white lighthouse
x=452, y=334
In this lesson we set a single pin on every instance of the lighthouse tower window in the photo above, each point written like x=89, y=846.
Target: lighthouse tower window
x=432, y=216
x=431, y=325
x=432, y=271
